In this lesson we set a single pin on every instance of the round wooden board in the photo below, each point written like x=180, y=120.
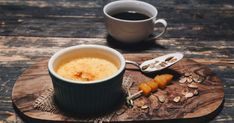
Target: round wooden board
x=35, y=80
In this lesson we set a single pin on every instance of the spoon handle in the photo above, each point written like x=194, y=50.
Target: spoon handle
x=133, y=63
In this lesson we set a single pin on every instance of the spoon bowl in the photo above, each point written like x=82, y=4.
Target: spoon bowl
x=158, y=63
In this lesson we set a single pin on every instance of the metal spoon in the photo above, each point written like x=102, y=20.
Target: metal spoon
x=158, y=63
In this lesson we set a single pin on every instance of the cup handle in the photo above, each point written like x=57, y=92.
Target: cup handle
x=164, y=23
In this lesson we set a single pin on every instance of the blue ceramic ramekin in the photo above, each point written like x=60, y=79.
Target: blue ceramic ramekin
x=87, y=98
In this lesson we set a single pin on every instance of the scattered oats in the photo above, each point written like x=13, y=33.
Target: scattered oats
x=195, y=76
x=156, y=62
x=144, y=107
x=163, y=64
x=193, y=85
x=151, y=65
x=145, y=67
x=176, y=99
x=188, y=95
x=139, y=103
x=161, y=98
x=173, y=60
x=169, y=58
x=201, y=79
x=185, y=91
x=187, y=74
x=195, y=79
x=195, y=92
x=182, y=80
x=157, y=66
x=189, y=80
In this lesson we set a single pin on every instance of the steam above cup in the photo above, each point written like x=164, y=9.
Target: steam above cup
x=132, y=30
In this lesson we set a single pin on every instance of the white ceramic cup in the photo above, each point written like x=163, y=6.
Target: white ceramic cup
x=132, y=31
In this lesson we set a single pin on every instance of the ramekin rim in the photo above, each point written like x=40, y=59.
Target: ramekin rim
x=58, y=53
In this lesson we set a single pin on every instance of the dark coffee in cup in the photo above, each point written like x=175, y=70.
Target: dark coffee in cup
x=132, y=21
x=130, y=15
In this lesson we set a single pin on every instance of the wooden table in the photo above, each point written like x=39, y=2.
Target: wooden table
x=33, y=30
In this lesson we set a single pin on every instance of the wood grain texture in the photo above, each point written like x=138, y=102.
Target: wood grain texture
x=35, y=80
x=59, y=19
x=32, y=30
